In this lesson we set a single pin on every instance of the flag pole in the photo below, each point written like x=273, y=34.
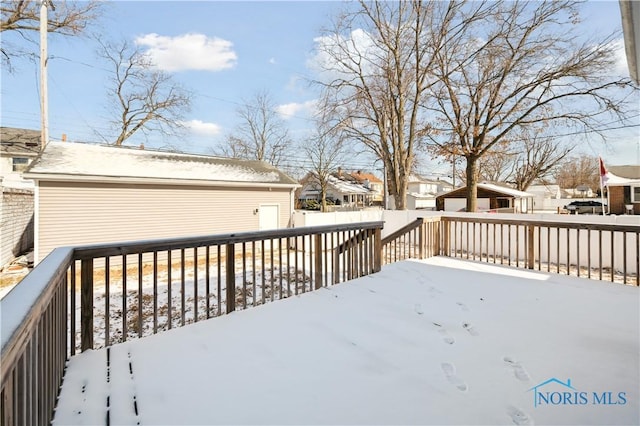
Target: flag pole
x=603, y=176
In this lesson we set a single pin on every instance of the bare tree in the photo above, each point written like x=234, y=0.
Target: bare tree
x=23, y=17
x=325, y=149
x=537, y=158
x=519, y=68
x=523, y=161
x=578, y=170
x=377, y=66
x=261, y=135
x=144, y=98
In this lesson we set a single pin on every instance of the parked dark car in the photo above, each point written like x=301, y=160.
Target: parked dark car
x=584, y=207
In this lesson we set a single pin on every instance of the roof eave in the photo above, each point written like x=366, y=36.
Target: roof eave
x=63, y=177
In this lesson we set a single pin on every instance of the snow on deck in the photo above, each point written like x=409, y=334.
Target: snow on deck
x=441, y=341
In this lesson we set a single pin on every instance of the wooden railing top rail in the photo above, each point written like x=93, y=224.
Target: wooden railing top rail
x=547, y=223
x=134, y=247
x=20, y=309
x=408, y=227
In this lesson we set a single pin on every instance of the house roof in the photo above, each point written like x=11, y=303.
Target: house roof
x=78, y=161
x=347, y=187
x=544, y=189
x=494, y=188
x=19, y=141
x=359, y=176
x=628, y=171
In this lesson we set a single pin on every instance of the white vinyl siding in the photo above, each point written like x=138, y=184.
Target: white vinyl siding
x=74, y=213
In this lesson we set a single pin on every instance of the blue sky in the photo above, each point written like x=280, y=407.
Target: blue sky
x=244, y=47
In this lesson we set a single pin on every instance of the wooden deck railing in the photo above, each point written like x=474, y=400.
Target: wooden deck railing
x=137, y=289
x=419, y=239
x=593, y=250
x=93, y=296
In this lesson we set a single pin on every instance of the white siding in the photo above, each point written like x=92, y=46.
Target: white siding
x=72, y=213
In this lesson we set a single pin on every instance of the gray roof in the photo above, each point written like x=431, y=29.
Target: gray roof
x=629, y=172
x=78, y=161
x=19, y=141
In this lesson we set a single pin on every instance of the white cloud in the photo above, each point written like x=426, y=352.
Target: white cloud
x=331, y=50
x=188, y=52
x=290, y=110
x=201, y=128
x=272, y=61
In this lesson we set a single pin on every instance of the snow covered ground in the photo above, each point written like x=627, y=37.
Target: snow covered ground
x=440, y=341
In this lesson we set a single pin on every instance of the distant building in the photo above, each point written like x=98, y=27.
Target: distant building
x=623, y=189
x=491, y=198
x=18, y=149
x=546, y=192
x=90, y=193
x=343, y=191
x=373, y=183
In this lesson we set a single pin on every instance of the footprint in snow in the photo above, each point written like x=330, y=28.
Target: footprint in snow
x=519, y=417
x=418, y=309
x=450, y=373
x=446, y=337
x=518, y=370
x=463, y=306
x=470, y=328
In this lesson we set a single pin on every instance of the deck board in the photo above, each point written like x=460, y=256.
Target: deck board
x=441, y=341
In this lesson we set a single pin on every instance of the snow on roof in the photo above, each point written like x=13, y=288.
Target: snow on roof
x=551, y=188
x=440, y=341
x=628, y=171
x=347, y=187
x=82, y=160
x=508, y=191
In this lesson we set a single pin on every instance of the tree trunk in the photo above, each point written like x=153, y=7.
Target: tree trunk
x=472, y=184
x=401, y=194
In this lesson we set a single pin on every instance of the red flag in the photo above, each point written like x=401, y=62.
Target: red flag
x=604, y=174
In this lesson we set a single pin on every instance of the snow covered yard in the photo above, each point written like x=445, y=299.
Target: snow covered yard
x=439, y=341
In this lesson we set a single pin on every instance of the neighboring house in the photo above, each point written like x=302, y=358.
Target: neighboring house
x=18, y=148
x=547, y=197
x=582, y=191
x=491, y=197
x=623, y=189
x=93, y=193
x=421, y=193
x=369, y=180
x=545, y=192
x=342, y=190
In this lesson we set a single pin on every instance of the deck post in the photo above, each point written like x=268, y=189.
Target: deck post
x=318, y=261
x=437, y=227
x=446, y=225
x=377, y=250
x=530, y=247
x=86, y=304
x=422, y=229
x=231, y=277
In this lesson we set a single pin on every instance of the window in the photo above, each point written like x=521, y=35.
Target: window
x=635, y=194
x=20, y=164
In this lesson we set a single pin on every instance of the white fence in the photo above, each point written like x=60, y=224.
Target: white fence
x=554, y=245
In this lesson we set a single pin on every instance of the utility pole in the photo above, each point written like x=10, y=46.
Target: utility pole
x=44, y=96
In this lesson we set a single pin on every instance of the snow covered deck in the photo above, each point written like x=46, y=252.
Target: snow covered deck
x=440, y=341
